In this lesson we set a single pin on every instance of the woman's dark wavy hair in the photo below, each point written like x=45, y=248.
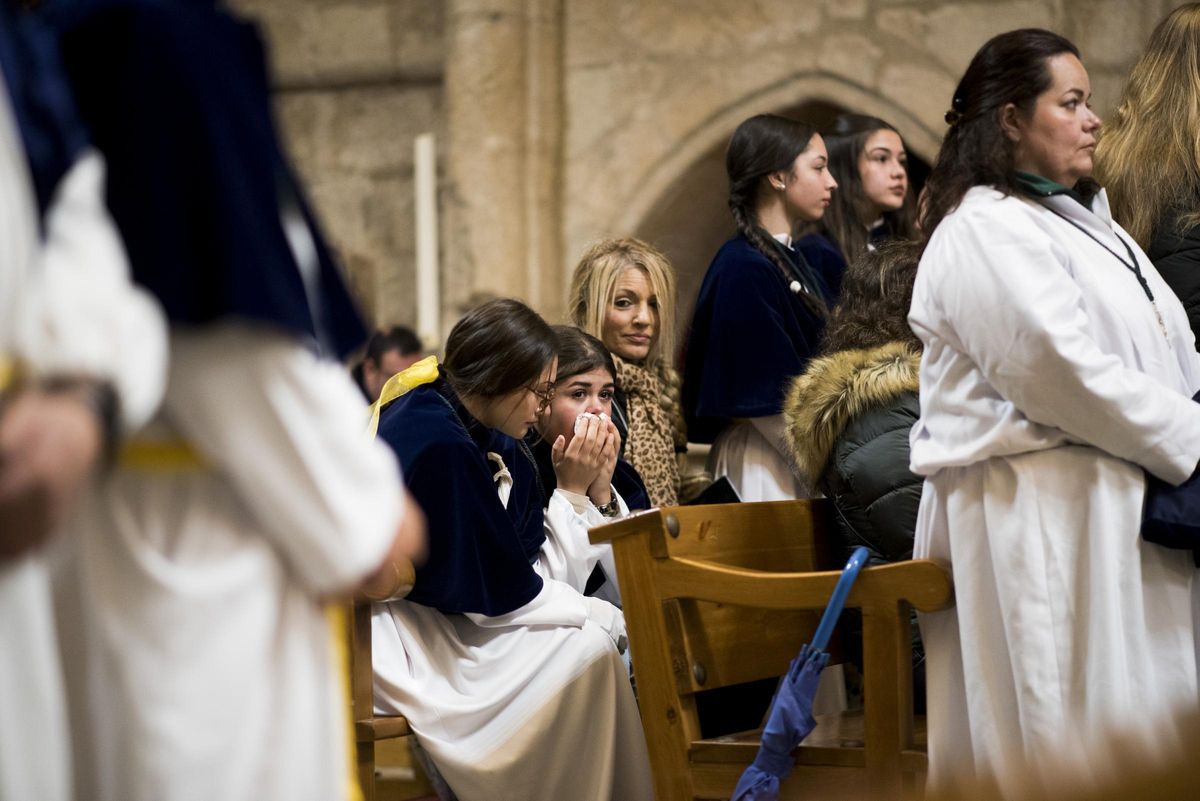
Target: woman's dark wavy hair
x=580, y=352
x=761, y=145
x=847, y=217
x=876, y=293
x=497, y=348
x=1009, y=68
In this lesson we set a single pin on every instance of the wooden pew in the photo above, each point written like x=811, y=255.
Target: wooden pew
x=721, y=595
x=370, y=728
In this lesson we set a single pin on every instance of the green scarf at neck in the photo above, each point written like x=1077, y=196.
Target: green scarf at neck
x=1037, y=186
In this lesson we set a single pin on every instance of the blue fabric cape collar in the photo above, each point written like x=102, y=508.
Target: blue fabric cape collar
x=176, y=97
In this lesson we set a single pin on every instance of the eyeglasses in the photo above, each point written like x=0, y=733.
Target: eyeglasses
x=545, y=394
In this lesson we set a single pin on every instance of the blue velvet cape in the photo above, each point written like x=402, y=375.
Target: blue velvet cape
x=51, y=131
x=750, y=335
x=480, y=553
x=175, y=95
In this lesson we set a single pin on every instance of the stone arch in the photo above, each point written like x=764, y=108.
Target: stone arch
x=680, y=204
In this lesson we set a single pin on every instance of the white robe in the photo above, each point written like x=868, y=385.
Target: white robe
x=534, y=705
x=199, y=659
x=1047, y=386
x=66, y=306
x=752, y=454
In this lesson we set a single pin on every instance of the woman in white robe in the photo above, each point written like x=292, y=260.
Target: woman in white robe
x=511, y=678
x=67, y=311
x=199, y=659
x=1055, y=377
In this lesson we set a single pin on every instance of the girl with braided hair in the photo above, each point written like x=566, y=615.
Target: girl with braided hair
x=761, y=309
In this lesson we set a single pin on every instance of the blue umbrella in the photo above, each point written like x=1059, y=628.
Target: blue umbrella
x=790, y=719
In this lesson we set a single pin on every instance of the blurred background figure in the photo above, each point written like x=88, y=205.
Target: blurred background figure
x=388, y=352
x=82, y=362
x=1148, y=157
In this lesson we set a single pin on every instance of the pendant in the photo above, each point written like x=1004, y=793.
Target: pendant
x=1162, y=325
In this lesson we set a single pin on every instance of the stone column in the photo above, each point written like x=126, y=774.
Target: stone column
x=504, y=110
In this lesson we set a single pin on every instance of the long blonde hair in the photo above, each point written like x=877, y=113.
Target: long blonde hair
x=594, y=284
x=1149, y=153
x=592, y=289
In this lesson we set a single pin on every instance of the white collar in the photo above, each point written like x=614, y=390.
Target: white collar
x=784, y=239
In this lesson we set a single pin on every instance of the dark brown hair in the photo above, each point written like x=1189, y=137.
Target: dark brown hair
x=397, y=338
x=876, y=293
x=761, y=145
x=497, y=348
x=1009, y=68
x=844, y=219
x=580, y=352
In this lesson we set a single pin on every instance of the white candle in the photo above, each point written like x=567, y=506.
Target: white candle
x=429, y=298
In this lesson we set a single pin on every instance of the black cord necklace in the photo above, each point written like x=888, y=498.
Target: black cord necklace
x=1131, y=265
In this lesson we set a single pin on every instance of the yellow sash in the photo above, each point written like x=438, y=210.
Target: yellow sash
x=422, y=372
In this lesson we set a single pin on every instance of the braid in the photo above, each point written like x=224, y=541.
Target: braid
x=670, y=399
x=747, y=225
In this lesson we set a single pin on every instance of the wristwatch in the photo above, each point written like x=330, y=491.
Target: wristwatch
x=610, y=509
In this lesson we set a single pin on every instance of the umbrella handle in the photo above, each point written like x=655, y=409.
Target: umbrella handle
x=838, y=600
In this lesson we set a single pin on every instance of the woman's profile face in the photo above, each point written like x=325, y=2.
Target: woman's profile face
x=1057, y=140
x=585, y=392
x=883, y=170
x=809, y=187
x=518, y=411
x=631, y=320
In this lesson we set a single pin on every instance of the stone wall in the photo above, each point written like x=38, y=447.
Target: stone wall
x=356, y=81
x=655, y=89
x=562, y=121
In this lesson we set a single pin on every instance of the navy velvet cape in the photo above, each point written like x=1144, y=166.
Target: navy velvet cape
x=176, y=97
x=480, y=553
x=750, y=335
x=51, y=131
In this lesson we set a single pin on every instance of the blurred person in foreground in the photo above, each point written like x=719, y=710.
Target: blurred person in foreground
x=199, y=658
x=82, y=360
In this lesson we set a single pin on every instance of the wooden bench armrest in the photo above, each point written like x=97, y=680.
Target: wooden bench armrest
x=646, y=519
x=924, y=584
x=373, y=729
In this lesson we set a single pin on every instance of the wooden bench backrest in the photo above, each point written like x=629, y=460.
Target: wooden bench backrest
x=716, y=645
x=731, y=589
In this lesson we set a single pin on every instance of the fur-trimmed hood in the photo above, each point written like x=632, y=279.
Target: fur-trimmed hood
x=837, y=388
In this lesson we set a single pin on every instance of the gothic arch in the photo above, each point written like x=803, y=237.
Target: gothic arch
x=680, y=204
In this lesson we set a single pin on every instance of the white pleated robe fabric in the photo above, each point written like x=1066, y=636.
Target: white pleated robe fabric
x=66, y=307
x=199, y=660
x=534, y=705
x=1048, y=387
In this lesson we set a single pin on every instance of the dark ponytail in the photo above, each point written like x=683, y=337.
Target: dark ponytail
x=1009, y=68
x=761, y=145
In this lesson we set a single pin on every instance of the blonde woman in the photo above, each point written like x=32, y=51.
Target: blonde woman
x=1149, y=157
x=623, y=293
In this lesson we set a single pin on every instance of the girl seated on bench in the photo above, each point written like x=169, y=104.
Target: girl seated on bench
x=510, y=677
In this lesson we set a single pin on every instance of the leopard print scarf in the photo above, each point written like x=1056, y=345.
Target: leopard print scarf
x=650, y=444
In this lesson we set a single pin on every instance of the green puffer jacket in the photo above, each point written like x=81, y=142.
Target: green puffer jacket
x=848, y=420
